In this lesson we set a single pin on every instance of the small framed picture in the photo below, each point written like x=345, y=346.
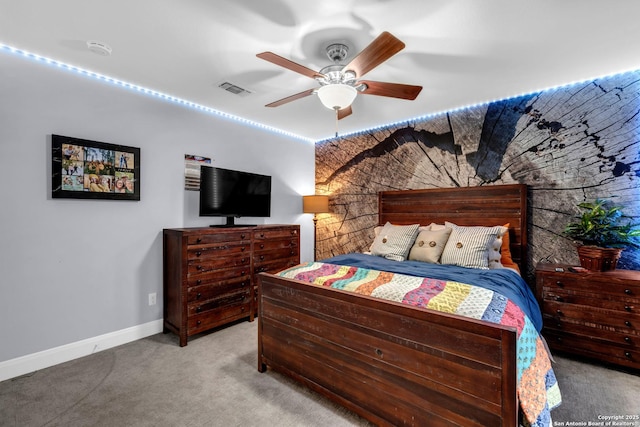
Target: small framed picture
x=83, y=169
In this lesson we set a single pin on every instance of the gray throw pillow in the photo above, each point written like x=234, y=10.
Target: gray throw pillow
x=394, y=241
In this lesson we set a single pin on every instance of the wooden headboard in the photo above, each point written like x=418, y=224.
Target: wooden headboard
x=486, y=206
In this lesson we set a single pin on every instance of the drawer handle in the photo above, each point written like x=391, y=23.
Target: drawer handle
x=559, y=283
x=261, y=245
x=243, y=273
x=627, y=323
x=198, y=282
x=261, y=257
x=627, y=308
x=627, y=291
x=262, y=235
x=294, y=232
x=242, y=309
x=198, y=309
x=627, y=339
x=559, y=325
x=198, y=295
x=242, y=236
x=627, y=354
x=198, y=253
x=198, y=240
x=199, y=322
x=559, y=299
x=243, y=260
x=198, y=267
x=242, y=249
x=559, y=312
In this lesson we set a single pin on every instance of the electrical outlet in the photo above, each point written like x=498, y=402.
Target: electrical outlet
x=152, y=298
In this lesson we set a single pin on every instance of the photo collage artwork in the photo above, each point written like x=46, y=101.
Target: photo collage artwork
x=97, y=170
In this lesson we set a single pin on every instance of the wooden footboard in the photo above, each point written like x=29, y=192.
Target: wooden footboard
x=391, y=363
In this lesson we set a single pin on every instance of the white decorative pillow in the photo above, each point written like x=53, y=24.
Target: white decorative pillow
x=429, y=245
x=469, y=246
x=376, y=231
x=394, y=241
x=494, y=253
x=436, y=227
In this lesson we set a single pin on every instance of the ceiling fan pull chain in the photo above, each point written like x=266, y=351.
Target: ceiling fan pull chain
x=336, y=108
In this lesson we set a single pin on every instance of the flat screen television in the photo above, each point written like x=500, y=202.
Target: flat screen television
x=233, y=194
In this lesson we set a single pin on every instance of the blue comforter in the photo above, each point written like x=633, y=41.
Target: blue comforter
x=503, y=281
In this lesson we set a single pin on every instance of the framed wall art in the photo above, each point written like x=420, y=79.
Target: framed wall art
x=84, y=169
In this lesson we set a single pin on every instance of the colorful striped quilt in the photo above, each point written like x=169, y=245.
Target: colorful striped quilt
x=538, y=391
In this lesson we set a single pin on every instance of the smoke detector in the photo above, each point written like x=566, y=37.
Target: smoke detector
x=99, y=48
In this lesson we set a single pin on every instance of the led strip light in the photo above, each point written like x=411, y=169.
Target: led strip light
x=147, y=91
x=243, y=121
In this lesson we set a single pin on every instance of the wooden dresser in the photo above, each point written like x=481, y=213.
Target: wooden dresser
x=210, y=273
x=593, y=314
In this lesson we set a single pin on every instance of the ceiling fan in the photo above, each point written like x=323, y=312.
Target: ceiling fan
x=339, y=84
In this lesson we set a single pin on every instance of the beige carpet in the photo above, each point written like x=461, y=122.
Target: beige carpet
x=214, y=382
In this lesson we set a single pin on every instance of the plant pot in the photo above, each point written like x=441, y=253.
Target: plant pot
x=595, y=258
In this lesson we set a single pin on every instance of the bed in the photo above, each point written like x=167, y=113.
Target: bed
x=393, y=356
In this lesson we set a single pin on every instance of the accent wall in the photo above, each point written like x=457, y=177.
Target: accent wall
x=570, y=144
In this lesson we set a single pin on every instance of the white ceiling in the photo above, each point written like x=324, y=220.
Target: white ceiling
x=462, y=52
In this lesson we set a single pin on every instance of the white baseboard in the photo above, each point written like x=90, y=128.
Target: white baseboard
x=44, y=359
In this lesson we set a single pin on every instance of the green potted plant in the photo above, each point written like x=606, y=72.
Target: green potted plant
x=602, y=233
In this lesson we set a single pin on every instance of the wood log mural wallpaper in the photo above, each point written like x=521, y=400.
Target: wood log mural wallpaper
x=571, y=144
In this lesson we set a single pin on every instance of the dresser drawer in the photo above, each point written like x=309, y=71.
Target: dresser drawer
x=218, y=237
x=218, y=276
x=203, y=266
x=238, y=297
x=590, y=314
x=277, y=233
x=274, y=254
x=204, y=321
x=627, y=327
x=590, y=284
x=594, y=348
x=609, y=302
x=217, y=250
x=210, y=291
x=267, y=245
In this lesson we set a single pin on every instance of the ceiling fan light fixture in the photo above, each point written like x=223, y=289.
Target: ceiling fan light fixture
x=337, y=96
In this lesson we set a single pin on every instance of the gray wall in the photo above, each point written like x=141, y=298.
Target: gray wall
x=75, y=269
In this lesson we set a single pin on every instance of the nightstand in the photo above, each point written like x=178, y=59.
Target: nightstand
x=592, y=314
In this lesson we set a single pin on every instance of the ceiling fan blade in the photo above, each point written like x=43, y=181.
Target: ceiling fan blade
x=291, y=98
x=392, y=90
x=290, y=65
x=382, y=48
x=346, y=111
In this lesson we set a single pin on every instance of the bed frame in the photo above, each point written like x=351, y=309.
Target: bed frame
x=391, y=363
